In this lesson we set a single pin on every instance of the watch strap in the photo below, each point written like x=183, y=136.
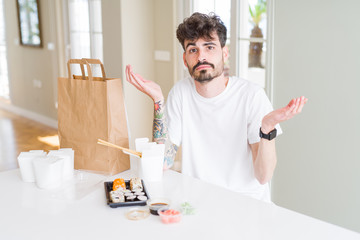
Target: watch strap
x=271, y=135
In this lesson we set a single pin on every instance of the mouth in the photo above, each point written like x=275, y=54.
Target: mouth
x=203, y=65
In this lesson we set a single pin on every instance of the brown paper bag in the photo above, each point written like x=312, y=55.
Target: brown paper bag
x=90, y=108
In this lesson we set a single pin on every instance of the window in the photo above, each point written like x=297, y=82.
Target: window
x=4, y=80
x=247, y=22
x=252, y=40
x=220, y=8
x=85, y=32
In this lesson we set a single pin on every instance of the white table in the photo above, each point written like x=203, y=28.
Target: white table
x=27, y=212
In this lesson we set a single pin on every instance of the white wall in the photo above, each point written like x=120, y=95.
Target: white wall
x=137, y=29
x=29, y=64
x=317, y=54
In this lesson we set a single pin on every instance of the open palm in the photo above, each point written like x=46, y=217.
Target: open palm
x=148, y=87
x=294, y=107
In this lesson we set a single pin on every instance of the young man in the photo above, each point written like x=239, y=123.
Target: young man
x=225, y=125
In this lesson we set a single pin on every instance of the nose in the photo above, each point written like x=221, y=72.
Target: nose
x=201, y=56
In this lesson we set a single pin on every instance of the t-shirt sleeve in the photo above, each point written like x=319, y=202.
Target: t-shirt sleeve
x=259, y=106
x=174, y=120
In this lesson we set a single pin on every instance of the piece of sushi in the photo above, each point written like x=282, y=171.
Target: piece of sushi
x=119, y=183
x=138, y=193
x=120, y=191
x=142, y=198
x=130, y=198
x=128, y=194
x=117, y=198
x=135, y=184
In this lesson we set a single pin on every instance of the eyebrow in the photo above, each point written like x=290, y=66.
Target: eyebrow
x=190, y=44
x=205, y=44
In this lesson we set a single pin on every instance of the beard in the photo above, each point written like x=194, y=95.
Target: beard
x=206, y=75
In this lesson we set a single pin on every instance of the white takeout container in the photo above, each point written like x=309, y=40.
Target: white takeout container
x=68, y=156
x=25, y=160
x=48, y=171
x=151, y=165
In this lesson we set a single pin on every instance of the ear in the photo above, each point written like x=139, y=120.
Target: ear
x=185, y=63
x=225, y=50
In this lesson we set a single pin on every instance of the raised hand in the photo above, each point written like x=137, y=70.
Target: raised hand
x=282, y=114
x=148, y=87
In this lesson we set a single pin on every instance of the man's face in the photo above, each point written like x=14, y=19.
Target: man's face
x=205, y=58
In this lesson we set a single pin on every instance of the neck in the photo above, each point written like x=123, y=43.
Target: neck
x=212, y=88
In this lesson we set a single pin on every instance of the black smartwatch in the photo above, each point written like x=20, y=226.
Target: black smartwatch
x=271, y=135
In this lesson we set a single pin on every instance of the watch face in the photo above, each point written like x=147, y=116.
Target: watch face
x=272, y=134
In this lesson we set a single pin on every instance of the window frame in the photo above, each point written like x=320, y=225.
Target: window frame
x=91, y=30
x=235, y=37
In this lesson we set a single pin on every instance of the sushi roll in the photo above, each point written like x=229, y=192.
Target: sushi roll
x=130, y=198
x=135, y=184
x=142, y=198
x=119, y=183
x=139, y=193
x=120, y=191
x=117, y=198
x=128, y=194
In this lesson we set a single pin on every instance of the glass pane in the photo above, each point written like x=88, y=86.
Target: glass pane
x=96, y=16
x=204, y=6
x=79, y=15
x=29, y=22
x=219, y=7
x=222, y=8
x=2, y=24
x=98, y=46
x=97, y=53
x=253, y=19
x=252, y=45
x=80, y=48
x=80, y=45
x=253, y=74
x=4, y=80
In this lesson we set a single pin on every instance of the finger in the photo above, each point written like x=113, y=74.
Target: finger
x=127, y=69
x=290, y=107
x=127, y=73
x=297, y=104
x=289, y=112
x=136, y=84
x=304, y=100
x=130, y=78
x=133, y=79
x=291, y=103
x=137, y=80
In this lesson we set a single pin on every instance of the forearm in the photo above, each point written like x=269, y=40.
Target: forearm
x=159, y=125
x=264, y=153
x=160, y=134
x=265, y=161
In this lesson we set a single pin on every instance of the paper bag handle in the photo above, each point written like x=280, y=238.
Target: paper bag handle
x=76, y=61
x=87, y=62
x=97, y=61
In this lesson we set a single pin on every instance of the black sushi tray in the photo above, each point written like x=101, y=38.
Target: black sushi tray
x=108, y=188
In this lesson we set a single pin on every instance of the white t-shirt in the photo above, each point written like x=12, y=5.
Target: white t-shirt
x=215, y=133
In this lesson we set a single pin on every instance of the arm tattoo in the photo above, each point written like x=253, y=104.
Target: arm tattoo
x=160, y=134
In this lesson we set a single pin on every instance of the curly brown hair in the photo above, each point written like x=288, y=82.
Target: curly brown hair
x=201, y=25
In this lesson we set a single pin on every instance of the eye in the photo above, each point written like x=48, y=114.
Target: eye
x=193, y=50
x=211, y=47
